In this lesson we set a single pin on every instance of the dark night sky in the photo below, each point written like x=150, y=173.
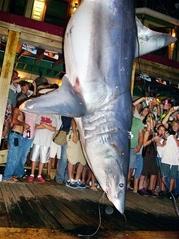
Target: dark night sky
x=169, y=7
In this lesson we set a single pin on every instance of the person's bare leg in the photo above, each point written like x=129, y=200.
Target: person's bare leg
x=93, y=182
x=49, y=166
x=40, y=168
x=53, y=163
x=79, y=172
x=163, y=189
x=33, y=167
x=89, y=175
x=70, y=171
x=172, y=184
x=30, y=179
x=152, y=182
x=129, y=177
x=141, y=182
x=136, y=185
x=159, y=182
x=84, y=174
x=146, y=182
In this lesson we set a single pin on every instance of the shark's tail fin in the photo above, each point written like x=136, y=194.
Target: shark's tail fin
x=149, y=40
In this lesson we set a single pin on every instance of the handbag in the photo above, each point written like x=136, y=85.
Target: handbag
x=60, y=138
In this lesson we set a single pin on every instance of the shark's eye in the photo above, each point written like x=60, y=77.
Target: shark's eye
x=121, y=185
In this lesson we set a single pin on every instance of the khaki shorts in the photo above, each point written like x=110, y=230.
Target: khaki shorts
x=74, y=152
x=55, y=149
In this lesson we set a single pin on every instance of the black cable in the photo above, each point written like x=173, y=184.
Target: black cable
x=100, y=219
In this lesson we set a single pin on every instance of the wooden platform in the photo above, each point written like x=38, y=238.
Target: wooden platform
x=54, y=211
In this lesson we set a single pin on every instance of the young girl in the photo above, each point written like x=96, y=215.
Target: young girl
x=160, y=141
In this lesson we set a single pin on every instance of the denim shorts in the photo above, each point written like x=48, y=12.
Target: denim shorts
x=168, y=170
x=132, y=159
x=138, y=165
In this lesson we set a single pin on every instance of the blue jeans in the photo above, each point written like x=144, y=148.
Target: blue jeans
x=14, y=145
x=23, y=152
x=61, y=172
x=177, y=187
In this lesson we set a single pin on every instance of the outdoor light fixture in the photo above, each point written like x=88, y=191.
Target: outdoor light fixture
x=39, y=9
x=171, y=47
x=74, y=4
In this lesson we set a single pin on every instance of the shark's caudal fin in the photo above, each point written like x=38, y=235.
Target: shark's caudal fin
x=63, y=101
x=149, y=40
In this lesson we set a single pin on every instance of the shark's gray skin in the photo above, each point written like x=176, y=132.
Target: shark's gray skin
x=100, y=43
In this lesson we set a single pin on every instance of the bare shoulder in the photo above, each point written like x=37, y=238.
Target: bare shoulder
x=18, y=113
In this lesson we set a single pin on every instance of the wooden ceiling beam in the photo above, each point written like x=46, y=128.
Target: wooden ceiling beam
x=36, y=38
x=156, y=70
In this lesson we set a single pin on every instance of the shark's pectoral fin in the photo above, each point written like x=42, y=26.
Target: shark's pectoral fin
x=63, y=101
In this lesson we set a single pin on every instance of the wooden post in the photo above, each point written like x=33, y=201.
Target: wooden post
x=133, y=78
x=1, y=4
x=6, y=6
x=6, y=72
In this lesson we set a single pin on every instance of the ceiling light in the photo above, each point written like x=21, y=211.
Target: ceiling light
x=39, y=9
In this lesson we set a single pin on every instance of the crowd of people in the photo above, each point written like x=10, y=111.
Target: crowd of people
x=154, y=151
x=32, y=136
x=154, y=146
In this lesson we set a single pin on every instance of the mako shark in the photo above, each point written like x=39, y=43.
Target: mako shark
x=99, y=48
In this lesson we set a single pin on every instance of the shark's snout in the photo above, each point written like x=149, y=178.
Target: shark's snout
x=110, y=171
